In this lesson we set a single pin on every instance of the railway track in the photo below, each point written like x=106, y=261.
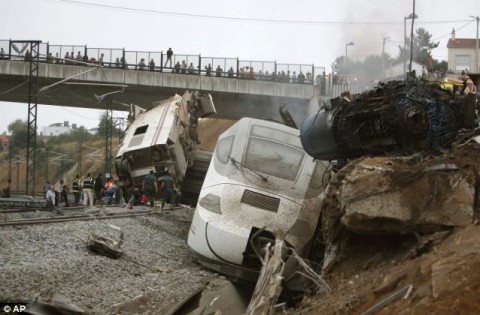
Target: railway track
x=75, y=217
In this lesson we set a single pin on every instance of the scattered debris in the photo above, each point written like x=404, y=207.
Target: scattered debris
x=104, y=245
x=53, y=304
x=218, y=296
x=402, y=293
x=269, y=285
x=133, y=305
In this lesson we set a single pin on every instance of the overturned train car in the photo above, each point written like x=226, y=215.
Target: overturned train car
x=396, y=117
x=164, y=137
x=260, y=184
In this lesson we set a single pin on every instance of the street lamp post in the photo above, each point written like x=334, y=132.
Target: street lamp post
x=346, y=53
x=477, y=68
x=410, y=17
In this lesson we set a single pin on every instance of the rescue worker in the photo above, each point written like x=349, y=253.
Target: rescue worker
x=87, y=187
x=168, y=187
x=150, y=187
x=64, y=193
x=98, y=189
x=76, y=190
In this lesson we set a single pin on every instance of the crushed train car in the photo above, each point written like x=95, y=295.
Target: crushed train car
x=410, y=165
x=163, y=137
x=397, y=116
x=260, y=184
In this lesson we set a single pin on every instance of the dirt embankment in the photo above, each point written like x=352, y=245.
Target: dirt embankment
x=443, y=268
x=210, y=129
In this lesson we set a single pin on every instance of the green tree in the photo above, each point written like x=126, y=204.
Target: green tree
x=19, y=137
x=422, y=48
x=102, y=126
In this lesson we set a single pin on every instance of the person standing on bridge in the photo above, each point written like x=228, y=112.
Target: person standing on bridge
x=152, y=65
x=142, y=65
x=169, y=57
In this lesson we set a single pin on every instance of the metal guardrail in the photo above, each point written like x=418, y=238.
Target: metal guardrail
x=225, y=67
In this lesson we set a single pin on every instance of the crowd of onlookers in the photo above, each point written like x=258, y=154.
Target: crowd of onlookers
x=244, y=72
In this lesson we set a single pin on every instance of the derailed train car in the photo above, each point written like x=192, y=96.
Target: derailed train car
x=397, y=117
x=260, y=184
x=163, y=137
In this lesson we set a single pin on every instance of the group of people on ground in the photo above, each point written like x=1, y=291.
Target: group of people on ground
x=152, y=186
x=88, y=191
x=94, y=191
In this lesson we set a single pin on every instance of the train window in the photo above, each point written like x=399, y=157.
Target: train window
x=224, y=147
x=273, y=158
x=275, y=134
x=141, y=130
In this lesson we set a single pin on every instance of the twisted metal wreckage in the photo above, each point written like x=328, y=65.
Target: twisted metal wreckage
x=404, y=163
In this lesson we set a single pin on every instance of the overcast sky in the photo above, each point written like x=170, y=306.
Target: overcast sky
x=288, y=31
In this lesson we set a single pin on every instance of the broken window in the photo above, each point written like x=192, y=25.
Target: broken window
x=141, y=130
x=273, y=158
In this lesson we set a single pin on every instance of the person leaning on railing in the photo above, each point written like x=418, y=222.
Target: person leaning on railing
x=142, y=65
x=218, y=71
x=191, y=68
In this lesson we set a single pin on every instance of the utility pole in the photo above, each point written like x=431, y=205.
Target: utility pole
x=18, y=173
x=108, y=137
x=346, y=53
x=477, y=68
x=411, y=16
x=383, y=56
x=62, y=165
x=46, y=164
x=79, y=165
x=9, y=168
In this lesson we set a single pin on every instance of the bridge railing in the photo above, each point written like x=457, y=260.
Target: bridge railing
x=158, y=61
x=218, y=66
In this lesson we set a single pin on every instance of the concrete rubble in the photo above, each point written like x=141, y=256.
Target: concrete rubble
x=397, y=195
x=387, y=195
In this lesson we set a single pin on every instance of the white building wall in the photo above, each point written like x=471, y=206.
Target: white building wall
x=55, y=130
x=452, y=59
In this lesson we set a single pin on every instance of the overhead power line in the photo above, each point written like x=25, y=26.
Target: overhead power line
x=449, y=33
x=16, y=87
x=242, y=19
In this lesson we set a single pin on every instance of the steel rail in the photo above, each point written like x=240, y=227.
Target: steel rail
x=83, y=217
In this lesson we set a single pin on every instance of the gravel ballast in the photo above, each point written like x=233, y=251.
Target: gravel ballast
x=53, y=258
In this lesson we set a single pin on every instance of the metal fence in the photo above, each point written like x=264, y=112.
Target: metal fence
x=226, y=67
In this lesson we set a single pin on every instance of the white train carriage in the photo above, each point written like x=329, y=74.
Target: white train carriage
x=162, y=137
x=260, y=183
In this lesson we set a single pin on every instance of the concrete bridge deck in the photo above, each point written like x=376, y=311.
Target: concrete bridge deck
x=234, y=98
